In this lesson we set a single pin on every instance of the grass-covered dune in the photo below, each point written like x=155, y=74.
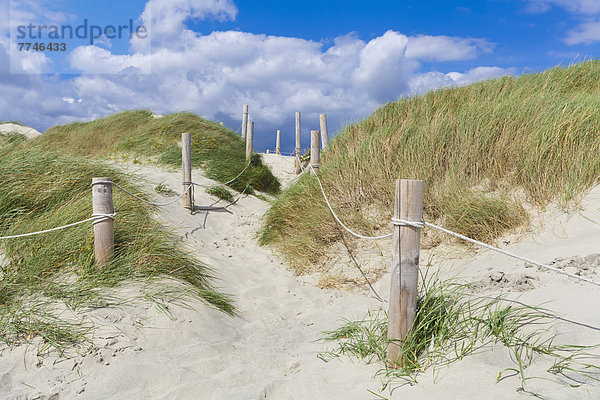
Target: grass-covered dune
x=483, y=151
x=217, y=149
x=43, y=189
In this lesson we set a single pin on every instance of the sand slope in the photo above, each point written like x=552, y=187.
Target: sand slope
x=29, y=132
x=270, y=350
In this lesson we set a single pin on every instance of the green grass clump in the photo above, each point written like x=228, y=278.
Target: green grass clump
x=218, y=150
x=450, y=324
x=43, y=189
x=483, y=151
x=220, y=192
x=9, y=138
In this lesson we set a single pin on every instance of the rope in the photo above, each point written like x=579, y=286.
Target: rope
x=401, y=222
x=96, y=218
x=226, y=183
x=143, y=200
x=421, y=224
x=190, y=187
x=508, y=253
x=341, y=223
x=300, y=163
x=239, y=197
x=377, y=296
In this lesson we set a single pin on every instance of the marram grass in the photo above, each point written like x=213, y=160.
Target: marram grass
x=483, y=151
x=221, y=152
x=451, y=324
x=41, y=190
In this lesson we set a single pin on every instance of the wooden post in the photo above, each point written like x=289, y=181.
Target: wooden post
x=405, y=266
x=278, y=142
x=298, y=151
x=186, y=166
x=104, y=231
x=244, y=121
x=315, y=152
x=250, y=134
x=324, y=134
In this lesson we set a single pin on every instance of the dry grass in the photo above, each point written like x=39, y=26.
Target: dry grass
x=475, y=147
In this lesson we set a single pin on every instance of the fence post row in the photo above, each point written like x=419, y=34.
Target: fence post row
x=244, y=121
x=104, y=231
x=250, y=134
x=315, y=152
x=324, y=134
x=298, y=151
x=278, y=142
x=408, y=206
x=186, y=166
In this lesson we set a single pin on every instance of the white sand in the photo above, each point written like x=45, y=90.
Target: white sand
x=29, y=132
x=270, y=350
x=282, y=167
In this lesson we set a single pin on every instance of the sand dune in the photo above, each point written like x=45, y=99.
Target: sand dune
x=270, y=350
x=29, y=132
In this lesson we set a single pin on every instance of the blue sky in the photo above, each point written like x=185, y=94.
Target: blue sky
x=522, y=36
x=343, y=58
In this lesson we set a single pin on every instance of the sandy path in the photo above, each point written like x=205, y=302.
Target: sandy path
x=270, y=351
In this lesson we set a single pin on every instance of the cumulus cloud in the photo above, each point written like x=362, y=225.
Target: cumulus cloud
x=166, y=19
x=446, y=48
x=214, y=75
x=384, y=69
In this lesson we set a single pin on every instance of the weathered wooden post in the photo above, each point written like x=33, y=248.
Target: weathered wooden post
x=104, y=230
x=324, y=134
x=298, y=151
x=250, y=134
x=244, y=121
x=186, y=166
x=315, y=152
x=408, y=206
x=278, y=142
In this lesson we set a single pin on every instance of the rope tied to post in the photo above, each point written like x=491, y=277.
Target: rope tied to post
x=96, y=218
x=422, y=224
x=340, y=222
x=99, y=217
x=401, y=222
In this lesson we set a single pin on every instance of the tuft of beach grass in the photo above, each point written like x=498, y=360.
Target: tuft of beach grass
x=484, y=151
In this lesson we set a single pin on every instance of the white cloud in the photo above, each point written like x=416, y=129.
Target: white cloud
x=446, y=48
x=96, y=60
x=433, y=80
x=384, y=69
x=165, y=19
x=585, y=33
x=214, y=75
